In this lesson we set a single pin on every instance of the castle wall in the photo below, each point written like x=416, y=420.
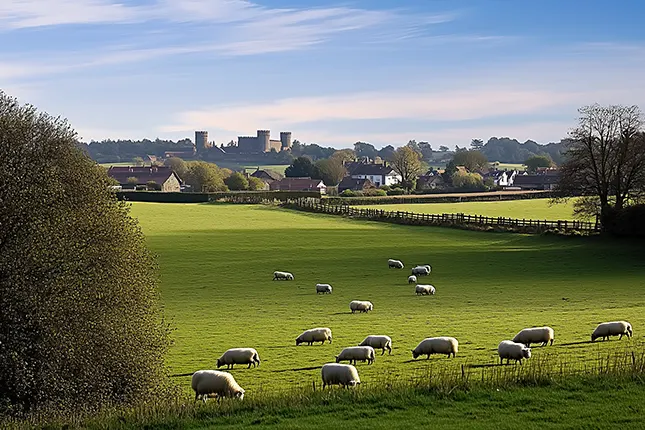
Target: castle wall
x=275, y=144
x=248, y=144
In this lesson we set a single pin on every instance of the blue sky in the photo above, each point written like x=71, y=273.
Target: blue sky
x=380, y=71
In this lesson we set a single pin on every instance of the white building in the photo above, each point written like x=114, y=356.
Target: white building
x=378, y=174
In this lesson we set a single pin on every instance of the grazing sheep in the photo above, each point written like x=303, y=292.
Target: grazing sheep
x=323, y=288
x=282, y=275
x=421, y=271
x=436, y=345
x=394, y=263
x=339, y=374
x=320, y=334
x=428, y=266
x=239, y=356
x=614, y=328
x=424, y=290
x=356, y=353
x=542, y=335
x=213, y=382
x=412, y=279
x=361, y=306
x=378, y=341
x=510, y=350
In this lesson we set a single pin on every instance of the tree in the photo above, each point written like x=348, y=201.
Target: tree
x=205, y=177
x=477, y=144
x=407, y=163
x=153, y=186
x=344, y=155
x=386, y=153
x=536, y=161
x=132, y=180
x=237, y=182
x=177, y=165
x=467, y=181
x=331, y=171
x=256, y=184
x=300, y=168
x=363, y=149
x=81, y=325
x=443, y=148
x=471, y=160
x=426, y=151
x=138, y=161
x=605, y=160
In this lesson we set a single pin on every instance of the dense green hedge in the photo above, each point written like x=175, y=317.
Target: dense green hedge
x=158, y=197
x=436, y=198
x=628, y=222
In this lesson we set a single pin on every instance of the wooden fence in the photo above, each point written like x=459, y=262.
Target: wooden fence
x=457, y=220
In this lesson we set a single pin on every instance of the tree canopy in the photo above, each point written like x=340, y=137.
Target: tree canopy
x=407, y=163
x=300, y=168
x=80, y=319
x=330, y=170
x=537, y=161
x=472, y=160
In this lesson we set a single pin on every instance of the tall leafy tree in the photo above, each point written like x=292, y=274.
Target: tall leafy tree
x=331, y=171
x=535, y=162
x=407, y=163
x=301, y=167
x=472, y=160
x=363, y=149
x=236, y=182
x=81, y=323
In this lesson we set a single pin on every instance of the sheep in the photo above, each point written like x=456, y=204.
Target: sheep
x=614, y=328
x=213, y=382
x=320, y=334
x=339, y=374
x=421, y=270
x=239, y=356
x=510, y=350
x=282, y=275
x=542, y=335
x=361, y=306
x=412, y=279
x=378, y=341
x=394, y=263
x=436, y=345
x=323, y=288
x=424, y=290
x=356, y=353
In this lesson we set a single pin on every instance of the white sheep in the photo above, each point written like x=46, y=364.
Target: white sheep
x=510, y=350
x=216, y=383
x=412, y=279
x=378, y=341
x=421, y=270
x=613, y=328
x=397, y=264
x=542, y=335
x=339, y=374
x=239, y=356
x=436, y=345
x=361, y=306
x=356, y=353
x=424, y=290
x=320, y=334
x=277, y=275
x=323, y=288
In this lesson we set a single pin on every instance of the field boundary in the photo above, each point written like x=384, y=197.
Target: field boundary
x=442, y=197
x=454, y=220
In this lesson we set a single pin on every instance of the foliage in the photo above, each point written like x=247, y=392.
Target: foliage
x=606, y=157
x=472, y=160
x=125, y=150
x=387, y=153
x=153, y=186
x=396, y=192
x=330, y=170
x=256, y=184
x=237, y=182
x=138, y=161
x=407, y=163
x=205, y=177
x=537, y=161
x=467, y=181
x=300, y=168
x=133, y=180
x=477, y=144
x=509, y=150
x=363, y=149
x=443, y=148
x=344, y=155
x=628, y=221
x=178, y=166
x=81, y=325
x=313, y=151
x=348, y=193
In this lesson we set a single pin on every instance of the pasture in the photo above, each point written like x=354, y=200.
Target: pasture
x=217, y=261
x=279, y=168
x=539, y=209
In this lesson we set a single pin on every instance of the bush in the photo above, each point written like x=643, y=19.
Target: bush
x=629, y=221
x=396, y=192
x=374, y=192
x=386, y=188
x=348, y=193
x=81, y=325
x=237, y=182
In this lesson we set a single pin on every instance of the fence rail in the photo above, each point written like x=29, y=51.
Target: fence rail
x=458, y=220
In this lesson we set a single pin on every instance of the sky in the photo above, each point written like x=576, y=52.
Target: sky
x=331, y=72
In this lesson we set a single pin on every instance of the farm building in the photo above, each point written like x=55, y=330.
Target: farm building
x=430, y=181
x=354, y=184
x=134, y=177
x=267, y=176
x=546, y=181
x=298, y=184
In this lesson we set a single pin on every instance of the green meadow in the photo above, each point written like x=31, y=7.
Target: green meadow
x=540, y=209
x=217, y=261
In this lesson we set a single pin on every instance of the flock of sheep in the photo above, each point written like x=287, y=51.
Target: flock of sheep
x=218, y=384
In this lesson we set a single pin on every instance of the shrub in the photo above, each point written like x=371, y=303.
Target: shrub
x=237, y=182
x=81, y=325
x=374, y=192
x=396, y=192
x=348, y=193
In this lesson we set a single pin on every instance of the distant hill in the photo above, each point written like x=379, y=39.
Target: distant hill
x=506, y=150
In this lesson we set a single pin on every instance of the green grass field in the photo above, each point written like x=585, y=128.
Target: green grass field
x=510, y=166
x=280, y=168
x=528, y=209
x=217, y=261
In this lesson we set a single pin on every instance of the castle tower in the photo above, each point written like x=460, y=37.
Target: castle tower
x=285, y=138
x=201, y=140
x=264, y=141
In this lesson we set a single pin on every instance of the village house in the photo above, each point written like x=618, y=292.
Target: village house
x=352, y=184
x=137, y=177
x=430, y=181
x=267, y=176
x=546, y=180
x=298, y=184
x=501, y=178
x=378, y=174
